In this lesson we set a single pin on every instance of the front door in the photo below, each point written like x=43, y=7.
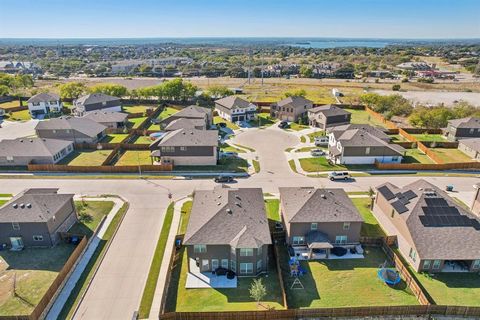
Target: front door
x=17, y=243
x=47, y=110
x=205, y=265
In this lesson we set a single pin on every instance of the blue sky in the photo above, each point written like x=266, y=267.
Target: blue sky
x=240, y=18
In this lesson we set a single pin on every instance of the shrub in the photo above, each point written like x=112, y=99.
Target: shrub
x=396, y=87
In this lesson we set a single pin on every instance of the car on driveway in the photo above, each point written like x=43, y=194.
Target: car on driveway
x=317, y=152
x=223, y=179
x=321, y=141
x=335, y=175
x=284, y=125
x=228, y=154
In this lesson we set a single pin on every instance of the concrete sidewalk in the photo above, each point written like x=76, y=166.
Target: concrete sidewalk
x=62, y=298
x=157, y=298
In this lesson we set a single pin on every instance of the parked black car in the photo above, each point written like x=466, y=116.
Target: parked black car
x=222, y=124
x=223, y=179
x=284, y=125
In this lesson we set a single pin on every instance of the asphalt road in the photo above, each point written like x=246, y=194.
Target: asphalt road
x=116, y=290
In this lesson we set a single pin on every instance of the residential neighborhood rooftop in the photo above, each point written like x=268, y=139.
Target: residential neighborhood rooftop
x=184, y=123
x=329, y=110
x=94, y=98
x=188, y=137
x=32, y=146
x=83, y=125
x=469, y=122
x=232, y=102
x=44, y=97
x=293, y=101
x=106, y=116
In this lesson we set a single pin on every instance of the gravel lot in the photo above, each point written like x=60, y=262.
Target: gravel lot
x=436, y=97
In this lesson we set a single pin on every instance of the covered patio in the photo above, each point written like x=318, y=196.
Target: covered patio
x=197, y=279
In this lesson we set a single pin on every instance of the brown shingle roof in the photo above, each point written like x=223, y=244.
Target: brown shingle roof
x=232, y=102
x=329, y=110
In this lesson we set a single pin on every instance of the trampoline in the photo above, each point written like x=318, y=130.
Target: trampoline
x=389, y=276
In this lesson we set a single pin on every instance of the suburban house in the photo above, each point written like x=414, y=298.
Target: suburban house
x=71, y=128
x=228, y=228
x=317, y=220
x=22, y=151
x=44, y=104
x=434, y=233
x=186, y=147
x=235, y=109
x=291, y=108
x=362, y=144
x=184, y=123
x=328, y=116
x=96, y=101
x=463, y=128
x=471, y=147
x=35, y=217
x=475, y=207
x=193, y=113
x=109, y=119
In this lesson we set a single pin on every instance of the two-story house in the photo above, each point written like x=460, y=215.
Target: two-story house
x=96, y=101
x=43, y=104
x=73, y=129
x=228, y=228
x=24, y=151
x=463, y=128
x=434, y=233
x=186, y=147
x=195, y=113
x=362, y=144
x=317, y=220
x=235, y=109
x=35, y=218
x=328, y=116
x=291, y=108
x=109, y=119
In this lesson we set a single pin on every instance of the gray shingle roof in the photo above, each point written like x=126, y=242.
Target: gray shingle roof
x=44, y=97
x=32, y=147
x=473, y=144
x=185, y=123
x=373, y=130
x=360, y=138
x=446, y=242
x=470, y=122
x=227, y=216
x=34, y=205
x=95, y=98
x=329, y=110
x=294, y=102
x=188, y=137
x=232, y=102
x=106, y=116
x=193, y=112
x=83, y=125
x=306, y=205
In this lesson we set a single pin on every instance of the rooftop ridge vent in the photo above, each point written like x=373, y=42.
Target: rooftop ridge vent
x=323, y=196
x=238, y=204
x=15, y=205
x=229, y=211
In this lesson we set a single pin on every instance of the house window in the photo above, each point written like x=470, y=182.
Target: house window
x=313, y=226
x=233, y=251
x=214, y=264
x=233, y=265
x=259, y=251
x=259, y=265
x=37, y=238
x=54, y=131
x=199, y=248
x=340, y=239
x=395, y=159
x=346, y=226
x=183, y=148
x=298, y=240
x=225, y=263
x=436, y=264
x=246, y=268
x=367, y=150
x=246, y=252
x=427, y=264
x=476, y=264
x=413, y=255
x=472, y=130
x=9, y=159
x=15, y=226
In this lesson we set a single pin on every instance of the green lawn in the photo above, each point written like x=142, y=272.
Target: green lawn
x=256, y=165
x=2, y=202
x=416, y=156
x=137, y=109
x=167, y=112
x=370, y=226
x=297, y=127
x=315, y=134
x=135, y=122
x=397, y=138
x=93, y=264
x=114, y=138
x=362, y=117
x=6, y=195
x=344, y=283
x=149, y=290
x=321, y=164
x=460, y=289
x=34, y=269
x=86, y=158
x=245, y=147
x=272, y=207
x=90, y=214
x=20, y=116
x=291, y=163
x=143, y=140
x=449, y=155
x=263, y=120
x=231, y=125
x=228, y=148
x=235, y=299
x=134, y=158
x=10, y=104
x=429, y=137
x=186, y=209
x=308, y=149
x=303, y=139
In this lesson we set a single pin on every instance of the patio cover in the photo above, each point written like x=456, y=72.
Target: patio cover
x=317, y=240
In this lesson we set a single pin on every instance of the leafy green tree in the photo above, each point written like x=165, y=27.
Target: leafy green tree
x=396, y=87
x=306, y=71
x=72, y=90
x=111, y=89
x=257, y=290
x=296, y=93
x=4, y=90
x=219, y=91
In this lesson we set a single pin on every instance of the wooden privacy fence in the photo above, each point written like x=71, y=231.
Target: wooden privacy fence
x=99, y=169
x=174, y=257
x=111, y=146
x=276, y=255
x=389, y=124
x=428, y=166
x=426, y=310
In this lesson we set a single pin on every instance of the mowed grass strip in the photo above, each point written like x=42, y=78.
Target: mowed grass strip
x=370, y=226
x=149, y=290
x=86, y=158
x=90, y=214
x=135, y=158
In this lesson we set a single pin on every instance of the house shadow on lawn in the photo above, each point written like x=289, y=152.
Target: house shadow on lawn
x=457, y=280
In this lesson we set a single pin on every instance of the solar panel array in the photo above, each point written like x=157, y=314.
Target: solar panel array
x=438, y=213
x=399, y=206
x=387, y=193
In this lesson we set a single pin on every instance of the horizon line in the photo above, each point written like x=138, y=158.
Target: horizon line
x=243, y=37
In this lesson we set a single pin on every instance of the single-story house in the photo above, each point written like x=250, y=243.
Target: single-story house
x=71, y=128
x=22, y=151
x=35, y=217
x=291, y=108
x=186, y=147
x=319, y=219
x=434, y=233
x=228, y=228
x=44, y=104
x=463, y=128
x=362, y=144
x=193, y=113
x=235, y=109
x=109, y=119
x=328, y=116
x=471, y=147
x=185, y=123
x=96, y=101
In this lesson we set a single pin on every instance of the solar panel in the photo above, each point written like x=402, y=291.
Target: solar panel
x=436, y=202
x=399, y=207
x=404, y=200
x=409, y=194
x=387, y=193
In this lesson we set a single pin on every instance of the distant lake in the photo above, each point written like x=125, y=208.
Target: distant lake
x=326, y=44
